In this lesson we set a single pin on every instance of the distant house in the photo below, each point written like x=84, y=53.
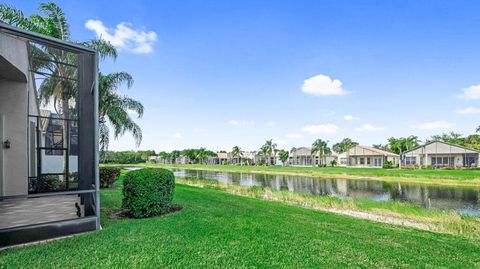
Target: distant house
x=364, y=156
x=303, y=157
x=441, y=154
x=246, y=157
x=221, y=158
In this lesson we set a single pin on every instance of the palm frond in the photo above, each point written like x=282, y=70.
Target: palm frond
x=12, y=16
x=58, y=25
x=104, y=48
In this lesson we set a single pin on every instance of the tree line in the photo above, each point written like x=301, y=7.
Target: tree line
x=269, y=151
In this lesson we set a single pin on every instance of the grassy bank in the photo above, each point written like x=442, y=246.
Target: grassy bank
x=464, y=178
x=405, y=214
x=220, y=230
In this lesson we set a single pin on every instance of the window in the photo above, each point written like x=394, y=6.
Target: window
x=470, y=161
x=343, y=160
x=443, y=161
x=368, y=160
x=362, y=160
x=410, y=160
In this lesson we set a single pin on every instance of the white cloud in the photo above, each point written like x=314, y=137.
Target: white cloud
x=243, y=122
x=369, y=128
x=322, y=85
x=270, y=124
x=294, y=136
x=350, y=117
x=178, y=135
x=320, y=129
x=471, y=93
x=124, y=36
x=234, y=122
x=469, y=110
x=433, y=125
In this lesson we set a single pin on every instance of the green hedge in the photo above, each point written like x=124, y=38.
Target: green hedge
x=148, y=192
x=108, y=175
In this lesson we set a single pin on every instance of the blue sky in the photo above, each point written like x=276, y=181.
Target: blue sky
x=225, y=73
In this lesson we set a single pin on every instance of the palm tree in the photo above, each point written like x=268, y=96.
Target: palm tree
x=114, y=108
x=271, y=150
x=411, y=142
x=321, y=148
x=264, y=152
x=344, y=145
x=237, y=153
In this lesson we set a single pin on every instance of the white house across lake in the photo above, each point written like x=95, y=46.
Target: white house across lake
x=441, y=154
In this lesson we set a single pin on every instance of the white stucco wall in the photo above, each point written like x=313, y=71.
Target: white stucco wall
x=13, y=108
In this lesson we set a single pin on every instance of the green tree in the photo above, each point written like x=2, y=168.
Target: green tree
x=344, y=145
x=402, y=144
x=452, y=138
x=236, y=153
x=113, y=108
x=174, y=155
x=472, y=141
x=264, y=152
x=381, y=146
x=321, y=148
x=191, y=154
x=271, y=150
x=283, y=155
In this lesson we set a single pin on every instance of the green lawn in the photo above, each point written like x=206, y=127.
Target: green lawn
x=437, y=177
x=220, y=230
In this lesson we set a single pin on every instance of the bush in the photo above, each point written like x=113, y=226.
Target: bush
x=52, y=183
x=108, y=175
x=388, y=165
x=148, y=192
x=333, y=163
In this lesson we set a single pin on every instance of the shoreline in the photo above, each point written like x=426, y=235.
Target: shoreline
x=412, y=179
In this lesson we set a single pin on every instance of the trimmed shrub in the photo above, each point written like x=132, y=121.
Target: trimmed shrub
x=108, y=175
x=148, y=192
x=388, y=165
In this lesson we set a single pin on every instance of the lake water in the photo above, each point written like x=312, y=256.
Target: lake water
x=462, y=200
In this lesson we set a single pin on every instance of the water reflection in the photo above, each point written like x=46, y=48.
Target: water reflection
x=463, y=200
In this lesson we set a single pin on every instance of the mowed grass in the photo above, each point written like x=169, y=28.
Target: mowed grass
x=459, y=177
x=220, y=230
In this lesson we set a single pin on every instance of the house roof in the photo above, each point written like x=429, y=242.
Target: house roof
x=378, y=151
x=441, y=142
x=222, y=155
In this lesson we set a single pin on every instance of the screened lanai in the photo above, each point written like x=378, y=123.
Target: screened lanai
x=48, y=133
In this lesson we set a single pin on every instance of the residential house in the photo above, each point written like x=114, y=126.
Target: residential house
x=246, y=158
x=303, y=157
x=221, y=158
x=364, y=156
x=441, y=154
